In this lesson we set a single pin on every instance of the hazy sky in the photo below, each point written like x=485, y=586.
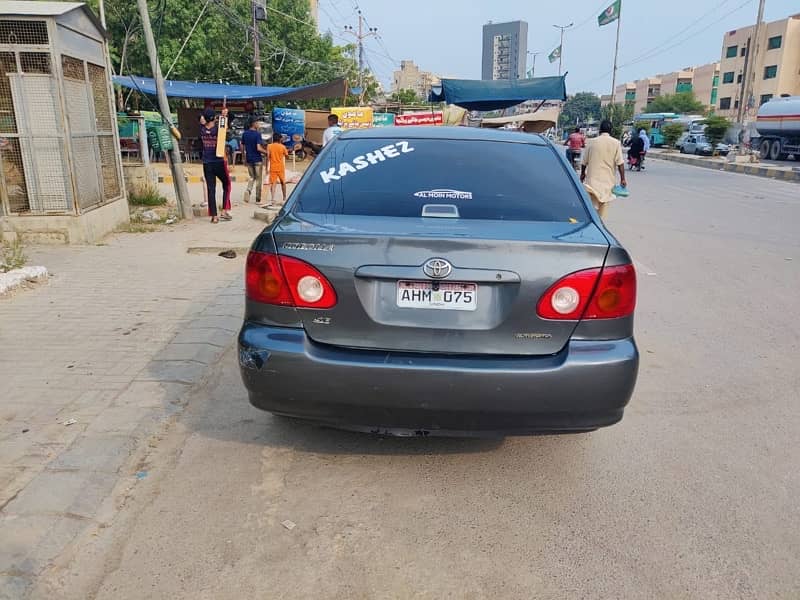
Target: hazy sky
x=445, y=36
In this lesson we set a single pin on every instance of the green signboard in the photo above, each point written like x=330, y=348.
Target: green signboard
x=158, y=137
x=383, y=119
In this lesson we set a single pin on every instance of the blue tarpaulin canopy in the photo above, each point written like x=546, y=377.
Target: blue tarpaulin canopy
x=219, y=91
x=477, y=94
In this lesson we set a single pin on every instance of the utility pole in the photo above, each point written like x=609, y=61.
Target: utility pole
x=176, y=166
x=616, y=53
x=752, y=59
x=102, y=7
x=259, y=14
x=533, y=66
x=561, y=43
x=360, y=36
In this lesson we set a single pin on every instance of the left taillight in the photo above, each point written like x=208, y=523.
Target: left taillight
x=287, y=281
x=599, y=293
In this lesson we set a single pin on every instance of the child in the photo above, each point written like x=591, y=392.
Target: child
x=277, y=154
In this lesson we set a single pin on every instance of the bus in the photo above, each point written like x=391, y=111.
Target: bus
x=656, y=122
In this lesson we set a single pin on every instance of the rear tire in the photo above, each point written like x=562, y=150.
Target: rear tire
x=764, y=149
x=775, y=150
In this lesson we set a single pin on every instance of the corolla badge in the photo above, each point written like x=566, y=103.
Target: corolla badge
x=437, y=268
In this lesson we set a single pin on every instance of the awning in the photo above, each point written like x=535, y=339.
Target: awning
x=535, y=122
x=477, y=94
x=219, y=91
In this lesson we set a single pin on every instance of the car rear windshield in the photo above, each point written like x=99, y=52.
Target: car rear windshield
x=483, y=179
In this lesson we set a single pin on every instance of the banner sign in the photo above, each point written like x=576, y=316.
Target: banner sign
x=290, y=122
x=383, y=120
x=420, y=118
x=356, y=117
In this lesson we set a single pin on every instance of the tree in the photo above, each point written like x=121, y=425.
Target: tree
x=405, y=97
x=293, y=53
x=582, y=107
x=682, y=103
x=618, y=114
x=716, y=127
x=642, y=125
x=671, y=132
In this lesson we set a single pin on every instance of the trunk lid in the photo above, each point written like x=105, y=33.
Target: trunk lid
x=510, y=263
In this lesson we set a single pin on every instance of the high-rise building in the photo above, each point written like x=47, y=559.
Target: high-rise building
x=776, y=70
x=505, y=50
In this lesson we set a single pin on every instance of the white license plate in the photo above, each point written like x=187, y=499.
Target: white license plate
x=439, y=295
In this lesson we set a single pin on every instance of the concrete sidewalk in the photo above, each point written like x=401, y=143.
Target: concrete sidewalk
x=93, y=363
x=789, y=172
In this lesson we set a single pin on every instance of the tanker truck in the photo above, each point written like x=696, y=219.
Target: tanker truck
x=778, y=126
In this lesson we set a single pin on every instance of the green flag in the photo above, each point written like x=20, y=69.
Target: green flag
x=554, y=55
x=610, y=14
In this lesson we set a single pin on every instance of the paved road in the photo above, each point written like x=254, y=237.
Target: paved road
x=694, y=495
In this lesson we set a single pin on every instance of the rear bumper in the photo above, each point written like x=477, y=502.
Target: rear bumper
x=585, y=386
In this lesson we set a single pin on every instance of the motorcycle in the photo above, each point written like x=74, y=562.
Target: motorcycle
x=574, y=157
x=636, y=163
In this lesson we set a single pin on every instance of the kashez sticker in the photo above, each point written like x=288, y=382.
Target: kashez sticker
x=365, y=161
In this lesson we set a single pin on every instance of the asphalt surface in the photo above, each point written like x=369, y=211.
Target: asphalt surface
x=694, y=495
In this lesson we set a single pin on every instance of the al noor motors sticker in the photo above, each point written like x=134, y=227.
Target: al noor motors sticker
x=365, y=161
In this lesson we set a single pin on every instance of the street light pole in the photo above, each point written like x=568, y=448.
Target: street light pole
x=175, y=164
x=533, y=66
x=360, y=36
x=561, y=43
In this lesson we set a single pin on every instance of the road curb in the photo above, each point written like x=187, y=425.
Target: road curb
x=767, y=172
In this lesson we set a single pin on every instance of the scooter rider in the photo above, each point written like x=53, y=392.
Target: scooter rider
x=575, y=144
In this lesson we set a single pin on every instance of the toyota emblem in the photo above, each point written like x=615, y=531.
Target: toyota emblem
x=437, y=268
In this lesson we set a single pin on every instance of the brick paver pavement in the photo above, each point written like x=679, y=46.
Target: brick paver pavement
x=112, y=342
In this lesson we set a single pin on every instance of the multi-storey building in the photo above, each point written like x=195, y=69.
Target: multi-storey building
x=505, y=50
x=410, y=77
x=775, y=71
x=702, y=81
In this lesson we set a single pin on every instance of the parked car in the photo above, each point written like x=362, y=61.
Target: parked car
x=402, y=291
x=682, y=140
x=698, y=144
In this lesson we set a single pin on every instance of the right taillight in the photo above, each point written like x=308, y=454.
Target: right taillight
x=287, y=281
x=599, y=293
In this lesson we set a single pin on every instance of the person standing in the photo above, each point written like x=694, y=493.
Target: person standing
x=277, y=153
x=575, y=144
x=646, y=146
x=636, y=152
x=602, y=157
x=214, y=167
x=253, y=149
x=333, y=129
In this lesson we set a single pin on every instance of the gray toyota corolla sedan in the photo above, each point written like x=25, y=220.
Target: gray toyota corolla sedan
x=442, y=280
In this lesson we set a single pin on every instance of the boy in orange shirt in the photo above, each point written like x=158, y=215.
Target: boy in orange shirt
x=277, y=153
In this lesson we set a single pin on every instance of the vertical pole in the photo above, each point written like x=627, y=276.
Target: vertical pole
x=616, y=52
x=256, y=48
x=752, y=61
x=560, y=51
x=533, y=67
x=181, y=190
x=102, y=8
x=748, y=49
x=144, y=149
x=360, y=52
